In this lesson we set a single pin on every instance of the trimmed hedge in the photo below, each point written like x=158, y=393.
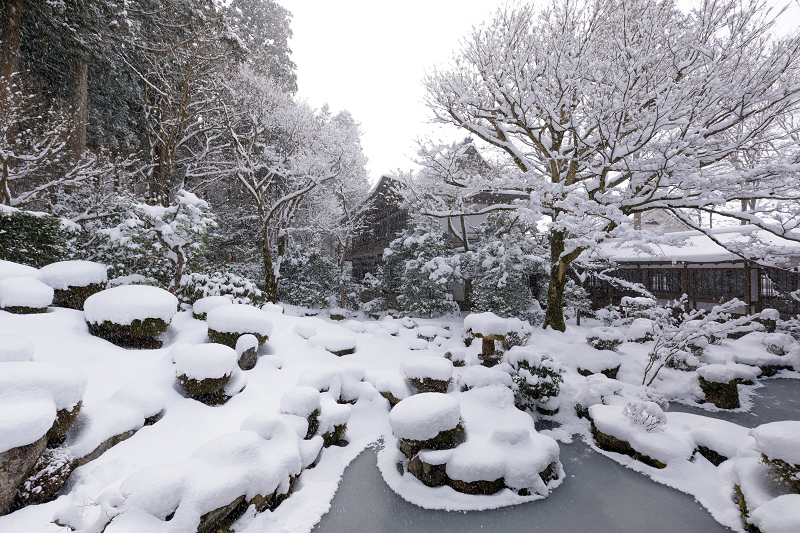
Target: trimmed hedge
x=35, y=240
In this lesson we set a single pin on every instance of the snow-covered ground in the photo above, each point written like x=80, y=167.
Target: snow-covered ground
x=197, y=457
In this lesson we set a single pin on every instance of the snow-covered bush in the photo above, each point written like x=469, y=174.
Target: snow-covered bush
x=201, y=307
x=203, y=370
x=308, y=278
x=778, y=343
x=35, y=239
x=608, y=316
x=25, y=295
x=640, y=330
x=777, y=442
x=418, y=270
x=790, y=326
x=519, y=332
x=480, y=376
x=74, y=281
x=457, y=356
x=304, y=402
x=229, y=322
x=605, y=338
x=537, y=378
x=577, y=301
x=239, y=290
x=430, y=420
x=428, y=373
x=130, y=316
x=647, y=414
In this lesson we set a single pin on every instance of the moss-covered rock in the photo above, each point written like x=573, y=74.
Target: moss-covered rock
x=713, y=457
x=248, y=359
x=140, y=334
x=610, y=373
x=393, y=400
x=14, y=467
x=445, y=440
x=209, y=391
x=478, y=487
x=787, y=473
x=45, y=478
x=64, y=420
x=723, y=395
x=229, y=339
x=430, y=384
x=335, y=436
x=74, y=296
x=430, y=475
x=22, y=310
x=613, y=444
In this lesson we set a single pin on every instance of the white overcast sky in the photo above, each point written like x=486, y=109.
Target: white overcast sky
x=369, y=57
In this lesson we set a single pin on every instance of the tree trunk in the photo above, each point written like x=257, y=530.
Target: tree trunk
x=78, y=103
x=554, y=316
x=10, y=37
x=270, y=279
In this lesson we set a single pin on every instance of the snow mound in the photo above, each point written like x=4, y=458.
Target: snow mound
x=66, y=274
x=24, y=420
x=15, y=348
x=355, y=326
x=9, y=269
x=427, y=332
x=25, y=292
x=778, y=343
x=390, y=326
x=204, y=361
x=124, y=304
x=204, y=305
x=432, y=367
x=417, y=344
x=333, y=343
x=272, y=308
x=605, y=334
x=332, y=414
x=394, y=384
x=239, y=318
x=481, y=376
x=779, y=515
x=300, y=401
x=424, y=416
x=639, y=330
x=779, y=440
x=342, y=381
x=486, y=324
x=727, y=373
x=305, y=329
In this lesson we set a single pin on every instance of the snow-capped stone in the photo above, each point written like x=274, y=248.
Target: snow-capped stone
x=778, y=343
x=417, y=344
x=124, y=304
x=727, y=373
x=779, y=515
x=481, y=376
x=149, y=399
x=390, y=326
x=779, y=440
x=25, y=292
x=427, y=332
x=248, y=341
x=355, y=326
x=431, y=367
x=640, y=329
x=305, y=329
x=333, y=343
x=393, y=384
x=15, y=348
x=204, y=361
x=300, y=401
x=9, y=269
x=239, y=318
x=486, y=324
x=424, y=416
x=204, y=305
x=332, y=414
x=65, y=274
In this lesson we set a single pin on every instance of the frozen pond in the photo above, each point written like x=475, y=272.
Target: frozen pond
x=598, y=494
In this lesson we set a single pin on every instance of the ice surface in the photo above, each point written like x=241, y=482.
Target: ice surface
x=779, y=515
x=486, y=324
x=204, y=305
x=727, y=373
x=430, y=366
x=779, y=440
x=15, y=348
x=10, y=269
x=300, y=401
x=124, y=304
x=239, y=318
x=203, y=361
x=25, y=292
x=65, y=274
x=423, y=416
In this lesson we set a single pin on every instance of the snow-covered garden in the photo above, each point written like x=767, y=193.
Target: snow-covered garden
x=132, y=414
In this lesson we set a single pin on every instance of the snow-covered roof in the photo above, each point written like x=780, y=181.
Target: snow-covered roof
x=697, y=247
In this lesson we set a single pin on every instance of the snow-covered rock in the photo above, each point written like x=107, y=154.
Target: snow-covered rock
x=481, y=376
x=424, y=416
x=272, y=308
x=778, y=343
x=25, y=292
x=336, y=344
x=305, y=329
x=779, y=440
x=122, y=305
x=431, y=367
x=300, y=401
x=605, y=338
x=727, y=373
x=417, y=344
x=640, y=330
x=15, y=348
x=65, y=274
x=779, y=515
x=247, y=351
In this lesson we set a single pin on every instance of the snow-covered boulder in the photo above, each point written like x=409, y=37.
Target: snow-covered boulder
x=74, y=281
x=305, y=329
x=778, y=343
x=229, y=322
x=604, y=338
x=131, y=316
x=457, y=356
x=336, y=344
x=427, y=333
x=25, y=295
x=430, y=420
x=203, y=370
x=344, y=382
x=394, y=387
x=9, y=269
x=417, y=344
x=247, y=351
x=719, y=382
x=779, y=515
x=15, y=348
x=333, y=420
x=272, y=308
x=201, y=307
x=640, y=330
x=303, y=402
x=779, y=442
x=428, y=373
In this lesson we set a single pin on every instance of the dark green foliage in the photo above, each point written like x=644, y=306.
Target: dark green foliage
x=240, y=289
x=723, y=395
x=210, y=391
x=536, y=382
x=308, y=279
x=138, y=334
x=713, y=457
x=430, y=385
x=22, y=310
x=445, y=440
x=610, y=373
x=229, y=339
x=35, y=240
x=313, y=424
x=335, y=436
x=73, y=297
x=784, y=472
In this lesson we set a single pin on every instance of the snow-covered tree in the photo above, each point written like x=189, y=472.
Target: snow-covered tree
x=610, y=108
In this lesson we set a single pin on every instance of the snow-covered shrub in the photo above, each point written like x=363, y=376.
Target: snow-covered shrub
x=74, y=281
x=537, y=378
x=203, y=370
x=501, y=266
x=576, y=300
x=336, y=344
x=640, y=330
x=769, y=318
x=394, y=387
x=344, y=382
x=35, y=239
x=418, y=270
x=777, y=442
x=25, y=296
x=304, y=402
x=239, y=290
x=428, y=373
x=605, y=338
x=333, y=418
x=457, y=356
x=201, y=307
x=647, y=414
x=608, y=316
x=519, y=332
x=130, y=316
x=778, y=343
x=229, y=322
x=790, y=326
x=480, y=376
x=430, y=420
x=308, y=278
